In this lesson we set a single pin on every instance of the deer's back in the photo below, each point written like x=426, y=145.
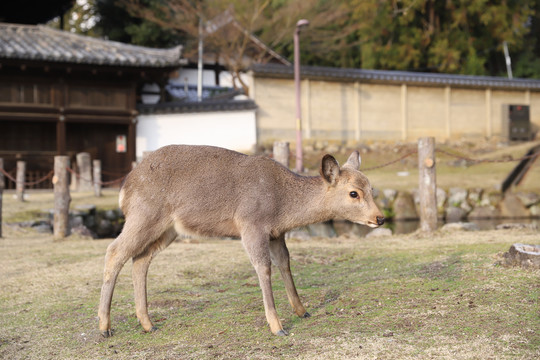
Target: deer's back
x=202, y=184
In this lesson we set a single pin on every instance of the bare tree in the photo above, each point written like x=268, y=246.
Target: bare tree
x=228, y=29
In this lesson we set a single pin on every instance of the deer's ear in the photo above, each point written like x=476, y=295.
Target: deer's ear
x=354, y=161
x=329, y=169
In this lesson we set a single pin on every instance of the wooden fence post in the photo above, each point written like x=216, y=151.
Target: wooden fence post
x=2, y=184
x=21, y=170
x=427, y=184
x=281, y=152
x=61, y=197
x=85, y=172
x=96, y=164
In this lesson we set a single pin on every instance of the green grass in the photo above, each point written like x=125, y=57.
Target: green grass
x=402, y=297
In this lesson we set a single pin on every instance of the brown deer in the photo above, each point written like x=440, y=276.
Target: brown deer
x=210, y=191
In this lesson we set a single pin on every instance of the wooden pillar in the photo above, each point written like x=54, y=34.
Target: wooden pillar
x=131, y=139
x=2, y=184
x=281, y=153
x=489, y=128
x=61, y=136
x=447, y=109
x=21, y=170
x=404, y=125
x=85, y=172
x=306, y=109
x=357, y=112
x=96, y=164
x=427, y=184
x=62, y=197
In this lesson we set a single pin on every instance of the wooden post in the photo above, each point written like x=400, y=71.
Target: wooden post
x=96, y=164
x=85, y=172
x=1, y=191
x=21, y=170
x=61, y=197
x=281, y=153
x=427, y=184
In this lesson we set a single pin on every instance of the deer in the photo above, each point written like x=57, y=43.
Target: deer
x=210, y=191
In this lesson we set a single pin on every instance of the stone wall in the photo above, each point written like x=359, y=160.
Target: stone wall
x=344, y=110
x=458, y=204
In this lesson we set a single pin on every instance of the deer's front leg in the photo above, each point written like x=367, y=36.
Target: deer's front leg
x=280, y=257
x=258, y=250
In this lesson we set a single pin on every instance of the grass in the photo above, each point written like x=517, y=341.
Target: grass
x=450, y=173
x=401, y=297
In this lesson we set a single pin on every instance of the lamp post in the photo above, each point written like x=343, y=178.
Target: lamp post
x=299, y=161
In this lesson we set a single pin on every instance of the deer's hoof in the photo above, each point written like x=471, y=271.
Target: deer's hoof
x=107, y=333
x=306, y=315
x=282, y=333
x=153, y=329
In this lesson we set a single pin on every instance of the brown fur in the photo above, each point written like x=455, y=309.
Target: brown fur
x=205, y=190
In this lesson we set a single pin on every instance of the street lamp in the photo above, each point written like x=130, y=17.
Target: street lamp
x=299, y=162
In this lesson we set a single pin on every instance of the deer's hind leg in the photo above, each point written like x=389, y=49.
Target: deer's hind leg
x=141, y=263
x=133, y=240
x=280, y=258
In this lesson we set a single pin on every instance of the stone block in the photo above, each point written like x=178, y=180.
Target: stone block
x=512, y=207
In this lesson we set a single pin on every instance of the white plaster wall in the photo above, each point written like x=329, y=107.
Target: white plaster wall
x=235, y=130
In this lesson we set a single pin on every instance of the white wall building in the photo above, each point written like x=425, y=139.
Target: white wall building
x=230, y=124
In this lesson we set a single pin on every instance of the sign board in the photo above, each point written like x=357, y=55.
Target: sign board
x=121, y=143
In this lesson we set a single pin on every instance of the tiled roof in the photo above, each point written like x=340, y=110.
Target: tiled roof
x=42, y=43
x=396, y=77
x=194, y=106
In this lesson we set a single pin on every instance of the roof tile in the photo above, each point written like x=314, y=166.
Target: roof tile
x=44, y=43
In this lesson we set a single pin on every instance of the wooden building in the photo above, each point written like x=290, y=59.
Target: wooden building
x=62, y=93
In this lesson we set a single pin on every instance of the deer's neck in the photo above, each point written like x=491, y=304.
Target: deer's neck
x=304, y=202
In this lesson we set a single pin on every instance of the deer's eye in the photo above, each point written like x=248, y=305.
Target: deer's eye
x=353, y=194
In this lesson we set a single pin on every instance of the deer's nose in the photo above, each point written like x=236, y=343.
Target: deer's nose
x=380, y=220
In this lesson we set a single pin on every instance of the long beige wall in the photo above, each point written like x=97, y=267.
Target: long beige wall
x=344, y=111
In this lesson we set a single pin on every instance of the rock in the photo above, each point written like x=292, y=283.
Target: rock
x=343, y=227
x=528, y=199
x=484, y=212
x=323, y=229
x=83, y=231
x=460, y=226
x=333, y=149
x=492, y=198
x=390, y=194
x=43, y=227
x=456, y=196
x=404, y=207
x=110, y=215
x=511, y=226
x=466, y=207
x=455, y=214
x=298, y=234
x=511, y=207
x=75, y=221
x=384, y=201
x=86, y=209
x=527, y=256
x=320, y=145
x=441, y=199
x=535, y=210
x=379, y=232
x=475, y=196
x=104, y=228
